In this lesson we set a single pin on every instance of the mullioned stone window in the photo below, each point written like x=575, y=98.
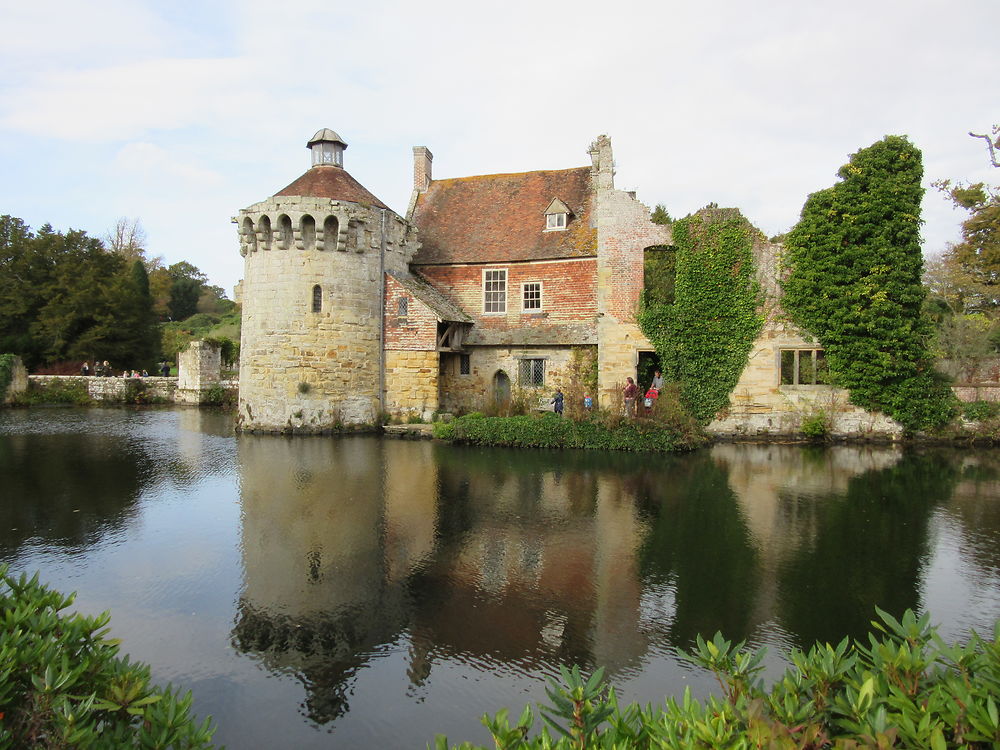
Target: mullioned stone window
x=531, y=372
x=803, y=367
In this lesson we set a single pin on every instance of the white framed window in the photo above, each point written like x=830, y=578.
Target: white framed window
x=531, y=372
x=555, y=221
x=803, y=367
x=531, y=296
x=495, y=290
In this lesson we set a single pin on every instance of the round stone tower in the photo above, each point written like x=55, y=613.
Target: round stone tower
x=315, y=256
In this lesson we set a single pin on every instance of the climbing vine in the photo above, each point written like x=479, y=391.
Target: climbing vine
x=6, y=373
x=853, y=280
x=704, y=338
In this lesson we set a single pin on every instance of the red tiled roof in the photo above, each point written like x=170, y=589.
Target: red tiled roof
x=326, y=181
x=501, y=218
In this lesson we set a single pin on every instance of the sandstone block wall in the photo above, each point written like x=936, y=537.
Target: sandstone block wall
x=411, y=383
x=474, y=392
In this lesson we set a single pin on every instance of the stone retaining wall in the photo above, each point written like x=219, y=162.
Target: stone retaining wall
x=113, y=389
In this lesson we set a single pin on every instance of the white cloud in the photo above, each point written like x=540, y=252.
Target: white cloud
x=754, y=105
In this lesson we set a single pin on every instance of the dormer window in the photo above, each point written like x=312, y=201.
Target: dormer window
x=556, y=216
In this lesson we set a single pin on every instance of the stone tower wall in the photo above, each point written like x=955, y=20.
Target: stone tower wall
x=303, y=370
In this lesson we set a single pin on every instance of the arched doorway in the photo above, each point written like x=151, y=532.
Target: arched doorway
x=501, y=391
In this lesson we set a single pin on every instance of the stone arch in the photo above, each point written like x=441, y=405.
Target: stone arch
x=308, y=232
x=501, y=390
x=249, y=235
x=331, y=231
x=285, y=236
x=264, y=231
x=317, y=298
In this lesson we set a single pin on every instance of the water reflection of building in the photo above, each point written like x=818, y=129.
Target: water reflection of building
x=350, y=543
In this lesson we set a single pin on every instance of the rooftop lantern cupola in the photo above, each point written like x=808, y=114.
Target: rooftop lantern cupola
x=327, y=148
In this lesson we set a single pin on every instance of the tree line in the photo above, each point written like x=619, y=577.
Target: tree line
x=70, y=297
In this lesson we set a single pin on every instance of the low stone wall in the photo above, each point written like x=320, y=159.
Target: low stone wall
x=113, y=389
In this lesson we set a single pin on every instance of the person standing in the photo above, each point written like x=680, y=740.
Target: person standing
x=631, y=391
x=165, y=369
x=557, y=401
x=85, y=369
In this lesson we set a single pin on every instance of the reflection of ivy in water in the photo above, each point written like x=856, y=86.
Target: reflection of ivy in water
x=866, y=549
x=699, y=540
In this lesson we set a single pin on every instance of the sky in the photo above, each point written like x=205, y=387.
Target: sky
x=178, y=113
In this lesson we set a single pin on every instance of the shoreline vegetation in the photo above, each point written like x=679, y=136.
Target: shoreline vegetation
x=904, y=688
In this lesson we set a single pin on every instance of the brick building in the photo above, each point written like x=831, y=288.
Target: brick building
x=487, y=286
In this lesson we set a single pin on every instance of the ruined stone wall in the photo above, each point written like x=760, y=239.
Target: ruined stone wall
x=569, y=291
x=624, y=231
x=461, y=394
x=199, y=368
x=304, y=370
x=761, y=405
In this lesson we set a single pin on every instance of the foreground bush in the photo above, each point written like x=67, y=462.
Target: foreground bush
x=905, y=689
x=63, y=685
x=552, y=431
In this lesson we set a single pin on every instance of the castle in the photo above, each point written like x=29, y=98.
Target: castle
x=489, y=283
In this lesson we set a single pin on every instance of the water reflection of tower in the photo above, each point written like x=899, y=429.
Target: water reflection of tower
x=329, y=532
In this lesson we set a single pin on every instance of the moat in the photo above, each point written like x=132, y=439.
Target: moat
x=368, y=592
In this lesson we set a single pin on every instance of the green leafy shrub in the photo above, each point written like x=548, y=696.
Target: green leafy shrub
x=980, y=411
x=815, y=426
x=905, y=689
x=63, y=684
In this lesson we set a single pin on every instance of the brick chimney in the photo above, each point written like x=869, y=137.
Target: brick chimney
x=422, y=159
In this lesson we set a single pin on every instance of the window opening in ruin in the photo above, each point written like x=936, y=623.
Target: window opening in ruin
x=495, y=291
x=531, y=372
x=264, y=228
x=531, y=296
x=403, y=307
x=463, y=364
x=285, y=235
x=331, y=233
x=308, y=232
x=803, y=367
x=317, y=299
x=555, y=221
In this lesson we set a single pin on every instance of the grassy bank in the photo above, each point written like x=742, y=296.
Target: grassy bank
x=598, y=432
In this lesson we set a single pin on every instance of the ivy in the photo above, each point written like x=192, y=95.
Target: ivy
x=704, y=337
x=853, y=280
x=6, y=373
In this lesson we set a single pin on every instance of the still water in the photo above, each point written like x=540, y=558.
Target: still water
x=361, y=592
